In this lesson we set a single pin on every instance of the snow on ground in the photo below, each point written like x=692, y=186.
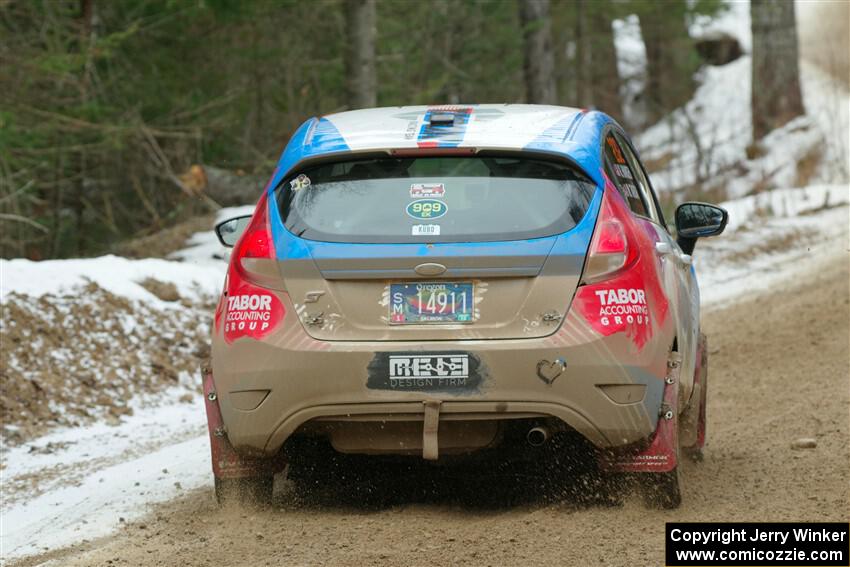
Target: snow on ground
x=97, y=338
x=706, y=142
x=198, y=272
x=771, y=237
x=87, y=481
x=204, y=247
x=92, y=339
x=120, y=276
x=121, y=437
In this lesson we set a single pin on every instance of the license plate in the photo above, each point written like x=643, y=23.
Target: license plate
x=431, y=302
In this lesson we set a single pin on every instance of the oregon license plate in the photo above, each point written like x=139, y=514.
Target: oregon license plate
x=431, y=302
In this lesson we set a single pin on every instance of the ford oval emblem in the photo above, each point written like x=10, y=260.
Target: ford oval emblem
x=426, y=209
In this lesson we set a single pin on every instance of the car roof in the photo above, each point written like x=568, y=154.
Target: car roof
x=571, y=132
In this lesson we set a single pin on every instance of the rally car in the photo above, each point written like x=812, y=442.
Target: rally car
x=442, y=281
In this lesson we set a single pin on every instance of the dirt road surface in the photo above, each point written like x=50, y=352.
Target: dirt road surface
x=778, y=371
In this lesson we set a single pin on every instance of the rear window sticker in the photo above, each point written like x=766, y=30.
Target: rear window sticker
x=426, y=209
x=630, y=189
x=615, y=150
x=623, y=172
x=300, y=182
x=425, y=230
x=426, y=190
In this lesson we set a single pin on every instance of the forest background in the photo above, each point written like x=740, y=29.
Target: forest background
x=122, y=119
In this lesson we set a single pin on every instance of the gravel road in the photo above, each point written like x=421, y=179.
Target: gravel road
x=778, y=372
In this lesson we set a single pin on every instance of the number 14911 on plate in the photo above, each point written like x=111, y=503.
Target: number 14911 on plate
x=438, y=302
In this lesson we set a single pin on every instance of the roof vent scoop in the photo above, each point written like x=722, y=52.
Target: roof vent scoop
x=442, y=119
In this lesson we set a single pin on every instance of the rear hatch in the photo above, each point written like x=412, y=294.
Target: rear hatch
x=434, y=248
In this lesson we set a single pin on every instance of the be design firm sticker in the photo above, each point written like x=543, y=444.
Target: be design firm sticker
x=424, y=371
x=425, y=230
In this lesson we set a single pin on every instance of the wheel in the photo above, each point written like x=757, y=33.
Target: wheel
x=661, y=490
x=254, y=492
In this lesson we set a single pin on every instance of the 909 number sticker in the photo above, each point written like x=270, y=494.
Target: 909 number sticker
x=426, y=209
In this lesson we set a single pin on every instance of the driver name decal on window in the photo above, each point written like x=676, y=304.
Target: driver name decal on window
x=622, y=175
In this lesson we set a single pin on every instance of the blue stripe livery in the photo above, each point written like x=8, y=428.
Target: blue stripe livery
x=578, y=137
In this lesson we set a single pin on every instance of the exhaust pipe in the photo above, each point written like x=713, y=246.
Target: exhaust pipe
x=537, y=436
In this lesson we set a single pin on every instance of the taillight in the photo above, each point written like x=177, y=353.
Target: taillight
x=611, y=249
x=254, y=255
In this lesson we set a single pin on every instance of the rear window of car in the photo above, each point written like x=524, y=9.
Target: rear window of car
x=434, y=199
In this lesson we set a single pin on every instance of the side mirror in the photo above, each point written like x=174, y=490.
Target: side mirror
x=698, y=220
x=229, y=231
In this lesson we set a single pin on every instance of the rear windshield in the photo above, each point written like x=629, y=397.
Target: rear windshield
x=433, y=199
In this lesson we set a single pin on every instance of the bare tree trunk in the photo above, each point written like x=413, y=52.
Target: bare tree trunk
x=539, y=61
x=775, y=93
x=582, y=77
x=669, y=57
x=360, y=53
x=604, y=75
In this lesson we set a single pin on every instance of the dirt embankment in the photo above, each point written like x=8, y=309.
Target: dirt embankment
x=779, y=371
x=69, y=359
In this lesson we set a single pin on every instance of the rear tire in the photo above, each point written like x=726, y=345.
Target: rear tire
x=661, y=490
x=255, y=492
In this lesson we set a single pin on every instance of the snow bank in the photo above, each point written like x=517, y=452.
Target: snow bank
x=120, y=276
x=90, y=339
x=706, y=141
x=101, y=400
x=772, y=237
x=197, y=271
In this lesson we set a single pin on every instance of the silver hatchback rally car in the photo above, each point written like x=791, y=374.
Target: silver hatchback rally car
x=449, y=280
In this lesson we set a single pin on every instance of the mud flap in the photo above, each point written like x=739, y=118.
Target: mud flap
x=226, y=462
x=661, y=454
x=692, y=431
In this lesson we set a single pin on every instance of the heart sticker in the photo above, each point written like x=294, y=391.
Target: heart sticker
x=549, y=371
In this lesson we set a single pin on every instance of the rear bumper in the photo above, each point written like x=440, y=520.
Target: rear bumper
x=610, y=392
